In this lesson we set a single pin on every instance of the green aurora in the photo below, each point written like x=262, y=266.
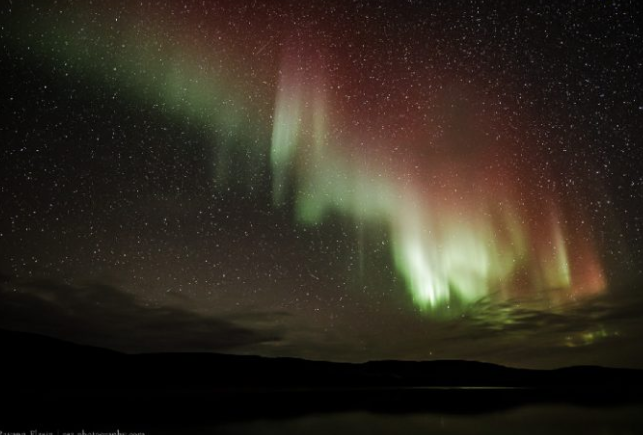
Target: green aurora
x=454, y=242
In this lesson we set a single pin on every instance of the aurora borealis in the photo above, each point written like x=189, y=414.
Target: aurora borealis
x=332, y=174
x=459, y=229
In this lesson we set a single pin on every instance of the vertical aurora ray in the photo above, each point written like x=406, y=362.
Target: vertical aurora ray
x=285, y=135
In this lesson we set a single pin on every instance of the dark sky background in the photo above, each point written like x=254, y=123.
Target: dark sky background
x=142, y=209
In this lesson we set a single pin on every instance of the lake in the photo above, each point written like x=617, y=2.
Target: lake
x=552, y=419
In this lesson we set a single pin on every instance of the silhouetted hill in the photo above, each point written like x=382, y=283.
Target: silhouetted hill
x=55, y=383
x=45, y=362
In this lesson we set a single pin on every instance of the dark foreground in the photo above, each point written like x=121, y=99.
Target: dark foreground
x=57, y=387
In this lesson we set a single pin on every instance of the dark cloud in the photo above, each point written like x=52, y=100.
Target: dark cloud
x=103, y=315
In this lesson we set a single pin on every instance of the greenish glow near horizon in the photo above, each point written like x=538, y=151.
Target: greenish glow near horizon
x=445, y=257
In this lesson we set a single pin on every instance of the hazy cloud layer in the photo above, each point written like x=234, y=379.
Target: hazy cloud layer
x=102, y=315
x=605, y=331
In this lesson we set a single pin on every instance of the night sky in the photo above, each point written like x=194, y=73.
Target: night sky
x=335, y=180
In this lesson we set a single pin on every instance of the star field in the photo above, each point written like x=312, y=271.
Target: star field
x=332, y=180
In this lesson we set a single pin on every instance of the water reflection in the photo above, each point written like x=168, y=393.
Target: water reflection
x=536, y=420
